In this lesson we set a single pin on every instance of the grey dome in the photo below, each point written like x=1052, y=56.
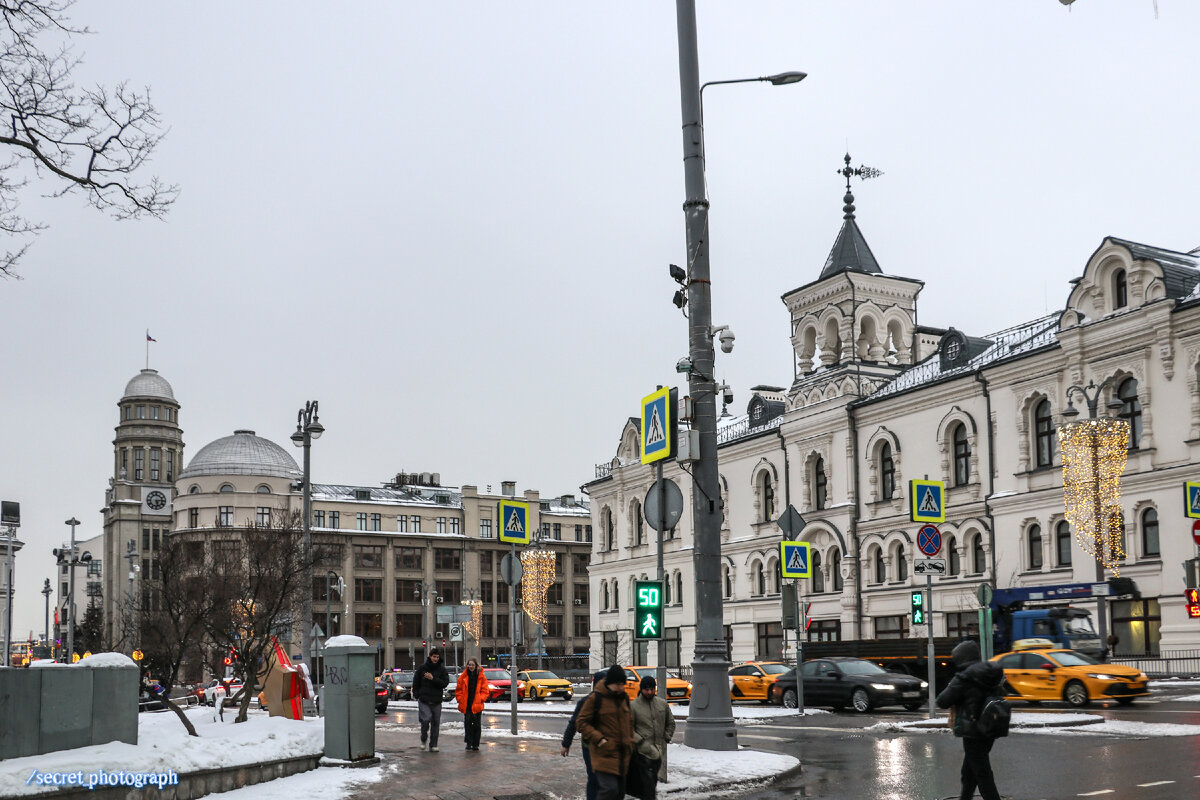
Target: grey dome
x=242, y=454
x=148, y=383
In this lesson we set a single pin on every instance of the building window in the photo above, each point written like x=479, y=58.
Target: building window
x=835, y=567
x=1136, y=625
x=554, y=626
x=610, y=537
x=446, y=558
x=262, y=516
x=449, y=591
x=766, y=497
x=170, y=466
x=139, y=463
x=502, y=626
x=360, y=520
x=1062, y=543
x=544, y=530
x=587, y=533
x=329, y=555
x=368, y=626
x=485, y=562
x=558, y=531
x=155, y=463
x=440, y=525
x=608, y=644
x=193, y=518
x=880, y=567
x=955, y=565
x=335, y=519
x=145, y=538
x=887, y=472
x=818, y=576
x=408, y=590
x=154, y=412
x=408, y=626
x=825, y=630
x=408, y=558
x=454, y=525
x=581, y=594
x=582, y=626
x=962, y=456
x=962, y=625
x=485, y=529
x=901, y=564
x=318, y=520
x=1131, y=410
x=760, y=579
x=768, y=644
x=415, y=523
x=368, y=590
x=1150, y=533
x=141, y=412
x=1120, y=290
x=891, y=627
x=639, y=529
x=226, y=488
x=1035, y=547
x=376, y=522
x=726, y=582
x=978, y=559
x=820, y=484
x=1043, y=426
x=579, y=533
x=368, y=556
x=607, y=600
x=579, y=562
x=225, y=516
x=401, y=523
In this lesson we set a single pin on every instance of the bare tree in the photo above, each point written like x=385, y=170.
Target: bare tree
x=259, y=579
x=87, y=140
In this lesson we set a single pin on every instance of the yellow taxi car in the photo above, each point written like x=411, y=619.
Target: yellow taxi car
x=677, y=691
x=753, y=680
x=1039, y=670
x=542, y=683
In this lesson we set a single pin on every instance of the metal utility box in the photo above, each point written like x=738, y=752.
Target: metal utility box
x=349, y=699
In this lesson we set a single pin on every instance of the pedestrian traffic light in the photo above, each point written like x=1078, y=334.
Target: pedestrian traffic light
x=648, y=610
x=1192, y=598
x=443, y=644
x=918, y=608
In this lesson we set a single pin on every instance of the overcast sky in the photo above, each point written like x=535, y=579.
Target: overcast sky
x=450, y=223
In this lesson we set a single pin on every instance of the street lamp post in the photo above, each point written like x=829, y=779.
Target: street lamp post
x=72, y=558
x=131, y=555
x=308, y=427
x=710, y=721
x=46, y=592
x=425, y=591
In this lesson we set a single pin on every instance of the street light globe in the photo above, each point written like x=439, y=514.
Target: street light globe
x=315, y=429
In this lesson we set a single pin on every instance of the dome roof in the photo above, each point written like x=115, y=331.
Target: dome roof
x=148, y=383
x=242, y=454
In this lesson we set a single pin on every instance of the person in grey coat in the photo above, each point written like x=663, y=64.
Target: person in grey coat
x=653, y=728
x=974, y=682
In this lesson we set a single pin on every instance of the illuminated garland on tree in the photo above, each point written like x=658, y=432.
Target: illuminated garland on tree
x=474, y=626
x=538, y=567
x=1093, y=455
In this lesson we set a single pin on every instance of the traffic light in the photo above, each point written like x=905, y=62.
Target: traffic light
x=424, y=644
x=648, y=610
x=1192, y=598
x=443, y=644
x=918, y=608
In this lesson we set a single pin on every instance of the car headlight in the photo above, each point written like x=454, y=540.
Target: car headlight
x=924, y=685
x=1100, y=676
x=1142, y=676
x=883, y=687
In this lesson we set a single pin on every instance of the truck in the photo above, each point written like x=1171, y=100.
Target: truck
x=1067, y=626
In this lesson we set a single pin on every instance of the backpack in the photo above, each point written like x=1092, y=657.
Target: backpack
x=994, y=717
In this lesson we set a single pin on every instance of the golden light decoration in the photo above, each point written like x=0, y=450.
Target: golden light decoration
x=538, y=566
x=1093, y=455
x=474, y=626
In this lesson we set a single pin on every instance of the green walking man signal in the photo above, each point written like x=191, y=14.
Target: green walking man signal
x=918, y=608
x=648, y=610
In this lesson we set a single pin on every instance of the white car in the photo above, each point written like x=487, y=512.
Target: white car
x=226, y=688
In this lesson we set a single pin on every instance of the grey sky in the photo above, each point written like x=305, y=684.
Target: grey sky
x=450, y=223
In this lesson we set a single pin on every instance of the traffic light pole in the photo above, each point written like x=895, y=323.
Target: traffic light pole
x=661, y=672
x=929, y=649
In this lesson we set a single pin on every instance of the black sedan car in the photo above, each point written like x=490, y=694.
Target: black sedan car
x=841, y=682
x=383, y=691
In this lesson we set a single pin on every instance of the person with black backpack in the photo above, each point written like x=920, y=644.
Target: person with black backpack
x=976, y=685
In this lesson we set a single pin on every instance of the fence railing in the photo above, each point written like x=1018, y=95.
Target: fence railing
x=1167, y=664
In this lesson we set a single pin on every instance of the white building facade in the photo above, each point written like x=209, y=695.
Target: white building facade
x=878, y=400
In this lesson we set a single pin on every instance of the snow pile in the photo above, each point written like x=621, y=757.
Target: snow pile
x=163, y=744
x=1114, y=727
x=106, y=660
x=327, y=783
x=1021, y=722
x=346, y=641
x=692, y=770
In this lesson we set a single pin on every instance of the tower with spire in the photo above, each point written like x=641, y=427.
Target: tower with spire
x=147, y=457
x=853, y=328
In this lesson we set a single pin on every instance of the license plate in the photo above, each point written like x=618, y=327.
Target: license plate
x=675, y=693
x=911, y=694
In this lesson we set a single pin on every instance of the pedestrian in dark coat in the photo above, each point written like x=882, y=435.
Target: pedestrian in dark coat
x=653, y=727
x=974, y=682
x=428, y=686
x=569, y=735
x=606, y=724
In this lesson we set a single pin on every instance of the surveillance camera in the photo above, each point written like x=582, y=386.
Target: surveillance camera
x=684, y=365
x=677, y=274
x=727, y=395
x=296, y=486
x=727, y=341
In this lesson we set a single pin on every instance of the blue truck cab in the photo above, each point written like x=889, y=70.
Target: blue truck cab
x=1067, y=627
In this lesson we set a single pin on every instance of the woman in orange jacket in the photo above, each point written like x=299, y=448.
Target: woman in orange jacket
x=470, y=691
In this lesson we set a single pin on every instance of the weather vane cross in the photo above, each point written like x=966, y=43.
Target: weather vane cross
x=849, y=172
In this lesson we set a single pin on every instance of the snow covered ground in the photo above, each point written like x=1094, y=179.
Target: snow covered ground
x=1055, y=724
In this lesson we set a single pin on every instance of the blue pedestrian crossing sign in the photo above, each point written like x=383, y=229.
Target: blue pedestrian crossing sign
x=658, y=425
x=794, y=561
x=928, y=500
x=514, y=522
x=1191, y=499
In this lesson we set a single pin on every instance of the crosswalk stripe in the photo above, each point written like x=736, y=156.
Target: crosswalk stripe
x=1156, y=783
x=1101, y=791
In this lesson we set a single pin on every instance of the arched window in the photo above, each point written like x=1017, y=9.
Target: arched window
x=225, y=488
x=962, y=455
x=766, y=496
x=887, y=472
x=835, y=569
x=263, y=489
x=726, y=582
x=1035, y=547
x=616, y=595
x=1120, y=290
x=760, y=579
x=1062, y=543
x=901, y=564
x=1043, y=427
x=679, y=588
x=635, y=517
x=955, y=558
x=1150, y=532
x=773, y=576
x=1131, y=410
x=193, y=489
x=606, y=599
x=978, y=559
x=610, y=542
x=880, y=567
x=820, y=484
x=818, y=577
x=667, y=591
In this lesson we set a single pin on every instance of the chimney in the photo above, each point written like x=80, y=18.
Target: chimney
x=567, y=500
x=508, y=488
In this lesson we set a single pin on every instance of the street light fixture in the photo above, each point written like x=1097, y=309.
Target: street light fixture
x=426, y=593
x=131, y=555
x=710, y=724
x=71, y=557
x=46, y=592
x=308, y=427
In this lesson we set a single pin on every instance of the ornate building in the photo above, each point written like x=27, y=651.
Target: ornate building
x=877, y=399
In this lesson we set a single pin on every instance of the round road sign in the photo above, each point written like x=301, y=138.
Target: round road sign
x=510, y=570
x=1196, y=531
x=668, y=516
x=929, y=540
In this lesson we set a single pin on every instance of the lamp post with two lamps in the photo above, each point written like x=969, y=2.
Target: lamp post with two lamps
x=71, y=558
x=46, y=592
x=426, y=593
x=710, y=724
x=131, y=555
x=308, y=427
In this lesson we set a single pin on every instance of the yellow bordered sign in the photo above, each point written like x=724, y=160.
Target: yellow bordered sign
x=927, y=500
x=658, y=425
x=514, y=522
x=1191, y=499
x=795, y=560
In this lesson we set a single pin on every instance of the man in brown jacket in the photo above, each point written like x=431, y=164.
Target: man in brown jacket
x=606, y=724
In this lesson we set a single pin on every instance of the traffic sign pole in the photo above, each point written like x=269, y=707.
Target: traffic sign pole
x=929, y=649
x=512, y=638
x=661, y=672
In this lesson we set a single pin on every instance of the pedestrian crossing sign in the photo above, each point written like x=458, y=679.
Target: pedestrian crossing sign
x=658, y=425
x=794, y=561
x=928, y=499
x=1191, y=499
x=514, y=522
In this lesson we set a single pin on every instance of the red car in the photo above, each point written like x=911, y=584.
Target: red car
x=501, y=683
